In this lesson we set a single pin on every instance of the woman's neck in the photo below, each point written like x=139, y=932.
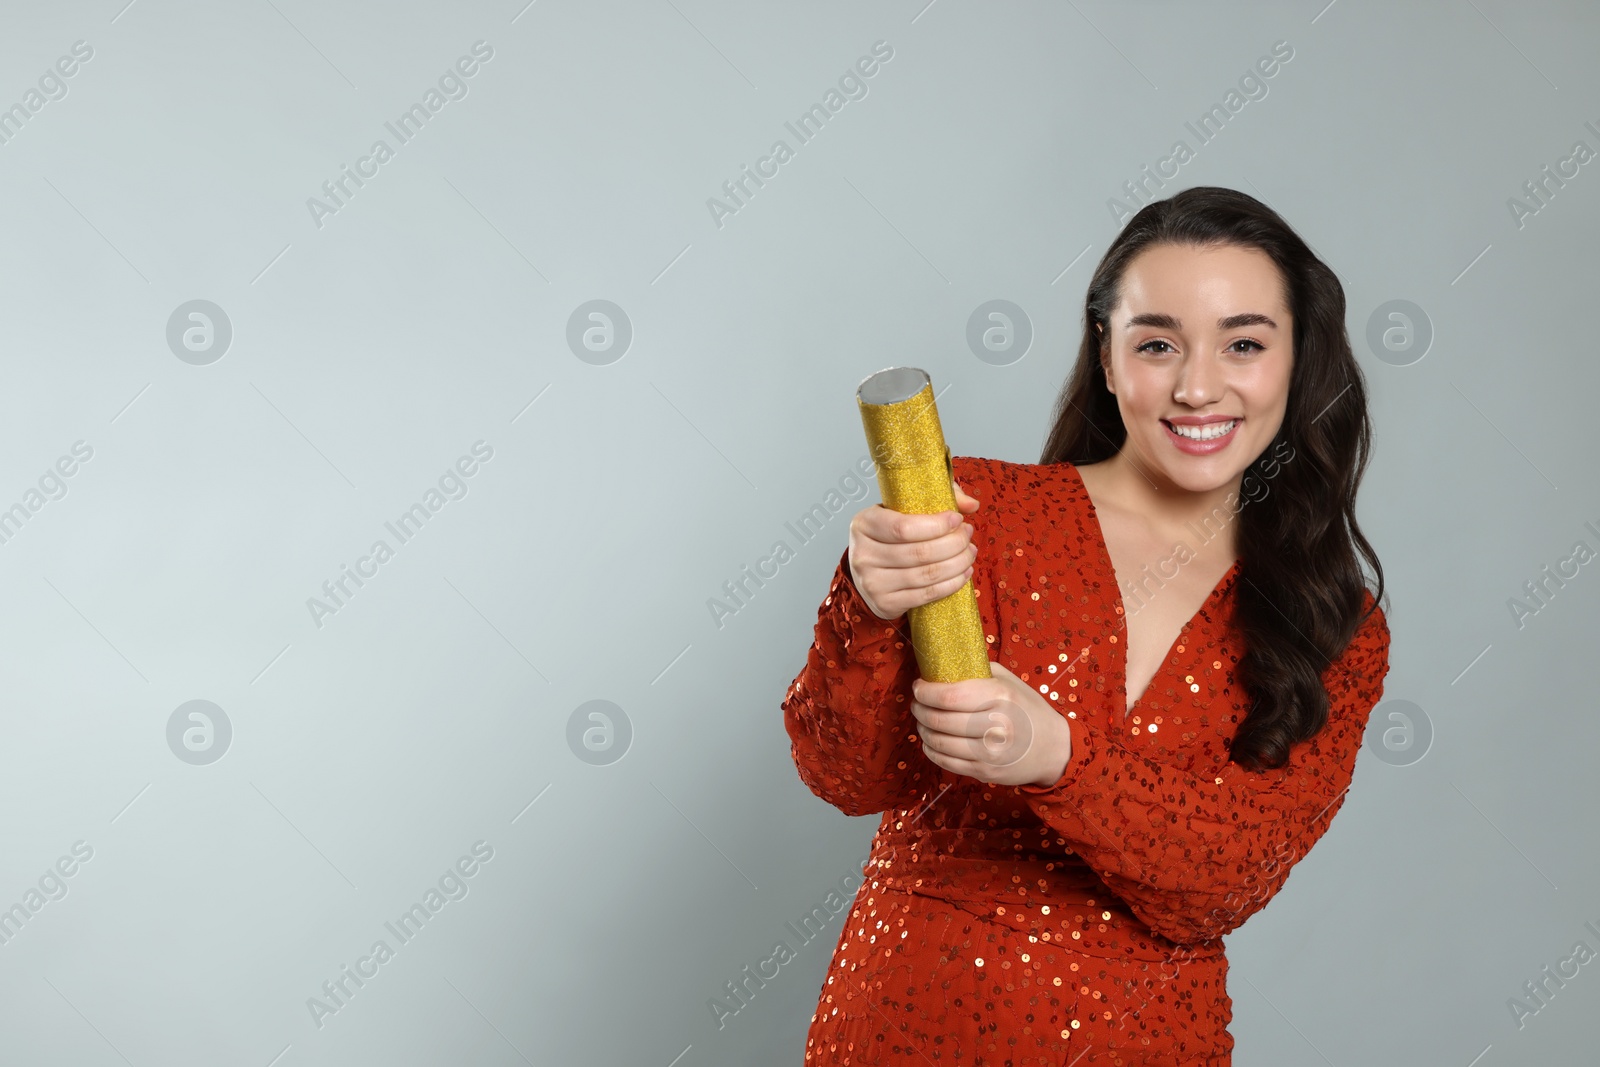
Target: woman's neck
x=1168, y=508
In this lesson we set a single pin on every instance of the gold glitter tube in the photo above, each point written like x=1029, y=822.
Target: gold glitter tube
x=914, y=477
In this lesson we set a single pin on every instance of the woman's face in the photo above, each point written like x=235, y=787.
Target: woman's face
x=1200, y=338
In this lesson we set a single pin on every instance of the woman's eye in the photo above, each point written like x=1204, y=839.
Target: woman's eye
x=1254, y=346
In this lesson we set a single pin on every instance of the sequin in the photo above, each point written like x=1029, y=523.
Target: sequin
x=986, y=895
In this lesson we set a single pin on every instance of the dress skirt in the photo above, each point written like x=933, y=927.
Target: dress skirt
x=920, y=980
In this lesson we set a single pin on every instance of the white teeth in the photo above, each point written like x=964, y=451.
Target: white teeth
x=1204, y=433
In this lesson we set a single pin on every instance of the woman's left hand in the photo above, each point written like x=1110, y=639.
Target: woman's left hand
x=996, y=729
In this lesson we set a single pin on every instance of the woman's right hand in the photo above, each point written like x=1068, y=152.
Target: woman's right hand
x=898, y=561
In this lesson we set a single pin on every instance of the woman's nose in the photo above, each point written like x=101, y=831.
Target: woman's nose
x=1199, y=381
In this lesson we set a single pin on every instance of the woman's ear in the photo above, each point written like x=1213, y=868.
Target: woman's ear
x=1105, y=365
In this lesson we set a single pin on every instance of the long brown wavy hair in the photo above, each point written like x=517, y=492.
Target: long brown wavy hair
x=1299, y=597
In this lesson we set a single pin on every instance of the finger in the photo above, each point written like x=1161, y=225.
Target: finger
x=942, y=563
x=955, y=765
x=965, y=501
x=934, y=720
x=955, y=724
x=968, y=695
x=893, y=604
x=898, y=527
x=995, y=745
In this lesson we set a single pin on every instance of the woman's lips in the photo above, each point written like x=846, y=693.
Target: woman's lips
x=1190, y=446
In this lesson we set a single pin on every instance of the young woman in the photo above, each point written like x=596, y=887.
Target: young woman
x=1184, y=655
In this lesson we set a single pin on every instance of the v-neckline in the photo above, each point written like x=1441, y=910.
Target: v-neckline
x=1105, y=555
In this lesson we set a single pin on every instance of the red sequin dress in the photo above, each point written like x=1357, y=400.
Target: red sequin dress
x=1078, y=923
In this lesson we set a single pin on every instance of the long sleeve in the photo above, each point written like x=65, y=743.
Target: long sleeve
x=848, y=713
x=1195, y=855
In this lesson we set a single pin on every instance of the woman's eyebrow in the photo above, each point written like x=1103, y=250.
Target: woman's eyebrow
x=1162, y=321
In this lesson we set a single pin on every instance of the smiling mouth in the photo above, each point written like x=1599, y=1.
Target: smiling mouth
x=1208, y=432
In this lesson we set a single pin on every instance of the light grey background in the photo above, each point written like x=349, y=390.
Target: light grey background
x=431, y=311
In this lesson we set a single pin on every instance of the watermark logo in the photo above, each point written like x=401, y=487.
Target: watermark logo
x=1542, y=590
x=452, y=886
x=599, y=732
x=738, y=992
x=199, y=332
x=51, y=886
x=1254, y=487
x=452, y=485
x=452, y=85
x=741, y=589
x=1399, y=733
x=52, y=86
x=999, y=332
x=1543, y=989
x=599, y=332
x=1205, y=128
x=1399, y=333
x=852, y=86
x=51, y=485
x=199, y=732
x=1543, y=187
